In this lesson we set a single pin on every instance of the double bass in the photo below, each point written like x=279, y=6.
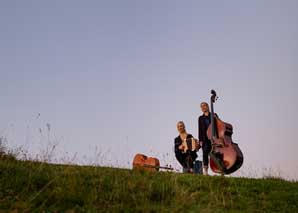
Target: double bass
x=225, y=156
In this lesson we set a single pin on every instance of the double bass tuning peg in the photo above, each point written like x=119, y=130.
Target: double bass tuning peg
x=214, y=97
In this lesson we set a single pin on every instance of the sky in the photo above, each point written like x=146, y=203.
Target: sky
x=105, y=80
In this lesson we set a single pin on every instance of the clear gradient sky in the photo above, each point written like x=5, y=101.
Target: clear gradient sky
x=118, y=75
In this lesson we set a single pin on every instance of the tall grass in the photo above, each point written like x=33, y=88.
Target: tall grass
x=34, y=186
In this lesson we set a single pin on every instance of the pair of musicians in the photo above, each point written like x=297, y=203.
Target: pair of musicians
x=187, y=159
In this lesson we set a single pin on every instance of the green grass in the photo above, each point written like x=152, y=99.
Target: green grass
x=34, y=187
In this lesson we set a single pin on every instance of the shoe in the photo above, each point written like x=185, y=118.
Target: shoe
x=205, y=171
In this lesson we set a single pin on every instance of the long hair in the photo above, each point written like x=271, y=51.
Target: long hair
x=181, y=122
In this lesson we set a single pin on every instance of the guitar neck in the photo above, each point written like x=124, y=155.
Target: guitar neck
x=158, y=167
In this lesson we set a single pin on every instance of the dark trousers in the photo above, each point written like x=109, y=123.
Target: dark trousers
x=186, y=159
x=206, y=147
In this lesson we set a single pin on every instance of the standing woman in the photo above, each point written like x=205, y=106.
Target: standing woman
x=204, y=122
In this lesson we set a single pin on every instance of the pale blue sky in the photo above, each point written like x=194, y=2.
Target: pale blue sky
x=119, y=75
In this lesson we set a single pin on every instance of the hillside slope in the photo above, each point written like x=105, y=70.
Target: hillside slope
x=32, y=187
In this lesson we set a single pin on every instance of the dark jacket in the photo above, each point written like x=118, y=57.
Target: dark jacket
x=184, y=157
x=203, y=124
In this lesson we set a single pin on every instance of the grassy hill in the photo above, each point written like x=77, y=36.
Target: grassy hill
x=33, y=187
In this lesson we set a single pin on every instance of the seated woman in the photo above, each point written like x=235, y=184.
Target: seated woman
x=186, y=159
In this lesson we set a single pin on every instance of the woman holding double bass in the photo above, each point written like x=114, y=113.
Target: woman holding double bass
x=216, y=137
x=203, y=124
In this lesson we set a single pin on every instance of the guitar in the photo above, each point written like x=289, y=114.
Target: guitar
x=225, y=156
x=142, y=162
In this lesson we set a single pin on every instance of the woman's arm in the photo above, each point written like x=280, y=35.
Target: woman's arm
x=177, y=144
x=200, y=126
